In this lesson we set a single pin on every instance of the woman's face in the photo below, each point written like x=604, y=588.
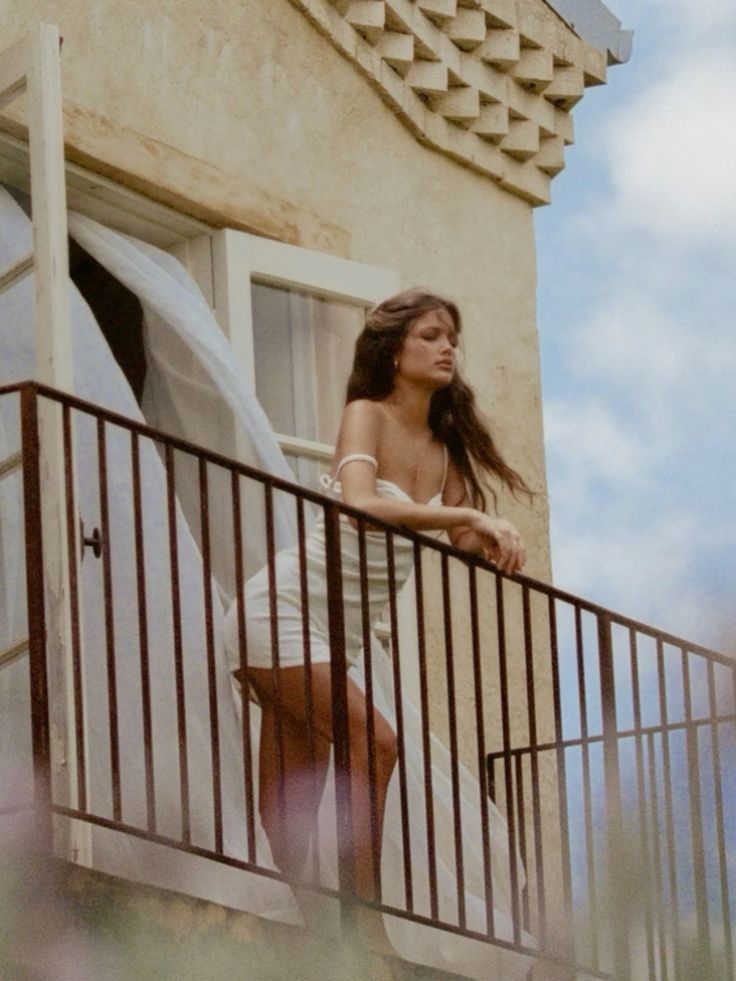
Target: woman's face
x=429, y=353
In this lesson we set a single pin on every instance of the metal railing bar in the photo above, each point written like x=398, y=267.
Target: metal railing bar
x=696, y=821
x=346, y=865
x=181, y=708
x=531, y=702
x=481, y=751
x=76, y=641
x=506, y=739
x=245, y=866
x=426, y=741
x=15, y=388
x=370, y=720
x=13, y=652
x=112, y=700
x=720, y=824
x=591, y=877
x=243, y=666
x=204, y=516
x=546, y=956
x=454, y=748
x=656, y=837
x=615, y=834
x=145, y=674
x=400, y=736
x=641, y=796
x=561, y=767
x=669, y=822
x=290, y=487
x=522, y=836
x=36, y=606
x=273, y=614
x=157, y=838
x=308, y=689
x=10, y=464
x=577, y=741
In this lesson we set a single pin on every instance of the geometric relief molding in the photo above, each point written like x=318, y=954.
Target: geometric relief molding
x=490, y=83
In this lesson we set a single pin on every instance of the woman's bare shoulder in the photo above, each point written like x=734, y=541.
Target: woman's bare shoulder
x=364, y=409
x=362, y=422
x=364, y=414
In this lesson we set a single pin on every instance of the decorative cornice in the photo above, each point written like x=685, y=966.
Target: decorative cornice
x=490, y=83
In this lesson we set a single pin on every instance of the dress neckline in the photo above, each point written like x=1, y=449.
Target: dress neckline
x=331, y=483
x=438, y=495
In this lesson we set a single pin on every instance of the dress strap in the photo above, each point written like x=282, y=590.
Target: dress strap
x=326, y=481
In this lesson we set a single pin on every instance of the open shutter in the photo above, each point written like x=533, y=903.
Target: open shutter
x=32, y=66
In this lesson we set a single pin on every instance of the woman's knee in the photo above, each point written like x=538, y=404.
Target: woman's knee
x=387, y=747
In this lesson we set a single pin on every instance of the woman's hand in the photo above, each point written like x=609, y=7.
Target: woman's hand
x=500, y=542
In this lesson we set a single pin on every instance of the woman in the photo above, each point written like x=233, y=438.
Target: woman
x=410, y=451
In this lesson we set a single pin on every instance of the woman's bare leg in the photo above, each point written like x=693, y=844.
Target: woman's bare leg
x=277, y=821
x=292, y=773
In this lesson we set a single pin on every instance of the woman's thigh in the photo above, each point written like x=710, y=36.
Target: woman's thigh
x=289, y=692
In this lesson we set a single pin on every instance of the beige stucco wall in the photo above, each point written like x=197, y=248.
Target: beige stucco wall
x=243, y=114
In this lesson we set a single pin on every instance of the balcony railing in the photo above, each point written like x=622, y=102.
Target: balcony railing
x=608, y=746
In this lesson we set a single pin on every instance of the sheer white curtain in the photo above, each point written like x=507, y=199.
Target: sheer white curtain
x=195, y=389
x=303, y=348
x=98, y=378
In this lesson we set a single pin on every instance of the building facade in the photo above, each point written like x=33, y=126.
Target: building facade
x=412, y=137
x=306, y=158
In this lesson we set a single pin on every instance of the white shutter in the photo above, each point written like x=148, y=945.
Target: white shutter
x=32, y=65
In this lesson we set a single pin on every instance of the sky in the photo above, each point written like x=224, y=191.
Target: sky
x=637, y=321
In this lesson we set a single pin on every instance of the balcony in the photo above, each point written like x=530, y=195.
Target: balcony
x=563, y=799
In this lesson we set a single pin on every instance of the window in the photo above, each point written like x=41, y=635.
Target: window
x=303, y=351
x=292, y=316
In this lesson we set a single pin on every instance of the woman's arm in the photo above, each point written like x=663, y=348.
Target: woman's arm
x=359, y=433
x=493, y=537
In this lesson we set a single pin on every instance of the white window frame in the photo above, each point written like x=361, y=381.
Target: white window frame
x=224, y=262
x=239, y=258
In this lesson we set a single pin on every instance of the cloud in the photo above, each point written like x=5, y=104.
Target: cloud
x=706, y=16
x=636, y=319
x=671, y=153
x=639, y=340
x=591, y=439
x=644, y=565
x=676, y=19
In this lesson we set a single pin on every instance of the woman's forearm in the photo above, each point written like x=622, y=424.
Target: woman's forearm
x=419, y=517
x=469, y=541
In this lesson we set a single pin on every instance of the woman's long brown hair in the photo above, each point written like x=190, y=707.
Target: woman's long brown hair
x=453, y=417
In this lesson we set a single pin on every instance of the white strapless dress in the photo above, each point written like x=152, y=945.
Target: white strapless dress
x=415, y=942
x=290, y=607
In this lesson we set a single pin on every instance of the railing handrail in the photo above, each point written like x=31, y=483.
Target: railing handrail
x=684, y=725
x=321, y=500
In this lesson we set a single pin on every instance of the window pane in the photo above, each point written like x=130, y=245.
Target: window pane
x=303, y=356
